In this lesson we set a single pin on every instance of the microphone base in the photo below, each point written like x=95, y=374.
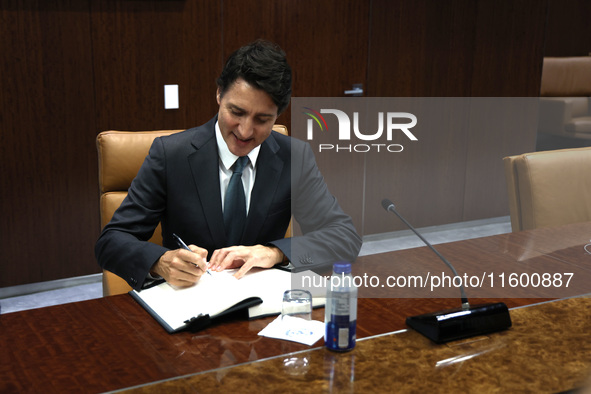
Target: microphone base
x=454, y=324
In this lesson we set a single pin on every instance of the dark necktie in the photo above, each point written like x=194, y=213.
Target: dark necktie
x=235, y=204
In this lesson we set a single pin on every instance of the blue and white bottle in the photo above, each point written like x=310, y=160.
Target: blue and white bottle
x=340, y=315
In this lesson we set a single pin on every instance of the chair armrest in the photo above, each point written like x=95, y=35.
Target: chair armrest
x=555, y=112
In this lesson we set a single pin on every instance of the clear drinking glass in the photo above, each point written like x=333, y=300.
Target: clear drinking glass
x=297, y=303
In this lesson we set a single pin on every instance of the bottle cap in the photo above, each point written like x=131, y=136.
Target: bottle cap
x=342, y=267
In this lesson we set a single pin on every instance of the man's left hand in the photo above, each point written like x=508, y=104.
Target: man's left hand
x=245, y=257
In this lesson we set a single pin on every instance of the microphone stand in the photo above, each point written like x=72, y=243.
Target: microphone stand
x=458, y=323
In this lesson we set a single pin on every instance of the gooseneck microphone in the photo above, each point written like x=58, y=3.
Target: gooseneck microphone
x=458, y=323
x=389, y=206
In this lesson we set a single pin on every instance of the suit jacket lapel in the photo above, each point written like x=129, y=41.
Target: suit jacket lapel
x=204, y=163
x=269, y=167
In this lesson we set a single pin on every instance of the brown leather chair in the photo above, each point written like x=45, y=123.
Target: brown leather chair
x=549, y=188
x=121, y=154
x=565, y=102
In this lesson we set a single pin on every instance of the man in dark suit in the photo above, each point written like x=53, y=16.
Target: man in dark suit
x=185, y=181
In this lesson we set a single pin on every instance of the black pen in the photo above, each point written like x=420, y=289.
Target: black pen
x=184, y=246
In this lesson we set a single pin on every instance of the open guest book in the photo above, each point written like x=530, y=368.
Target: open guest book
x=260, y=291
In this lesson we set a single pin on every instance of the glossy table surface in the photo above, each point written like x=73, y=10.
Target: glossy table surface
x=547, y=351
x=112, y=343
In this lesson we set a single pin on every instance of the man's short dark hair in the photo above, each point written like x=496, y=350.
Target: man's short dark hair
x=263, y=65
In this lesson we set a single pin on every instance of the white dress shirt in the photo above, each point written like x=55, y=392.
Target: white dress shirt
x=227, y=160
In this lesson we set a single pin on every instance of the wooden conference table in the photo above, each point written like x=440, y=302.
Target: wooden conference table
x=112, y=343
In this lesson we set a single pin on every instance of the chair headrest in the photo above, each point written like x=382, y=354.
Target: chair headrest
x=121, y=154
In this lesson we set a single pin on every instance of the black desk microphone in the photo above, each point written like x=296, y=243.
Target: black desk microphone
x=458, y=323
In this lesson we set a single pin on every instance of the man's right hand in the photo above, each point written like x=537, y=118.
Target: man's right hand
x=181, y=267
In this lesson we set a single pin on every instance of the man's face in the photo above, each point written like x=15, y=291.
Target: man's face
x=246, y=117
